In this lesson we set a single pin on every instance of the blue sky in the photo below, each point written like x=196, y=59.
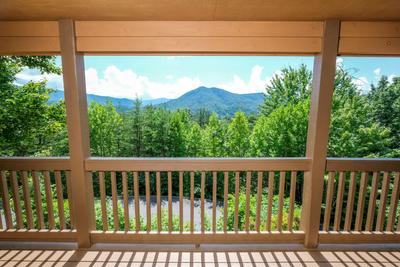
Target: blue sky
x=152, y=77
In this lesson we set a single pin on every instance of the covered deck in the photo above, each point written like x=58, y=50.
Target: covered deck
x=370, y=233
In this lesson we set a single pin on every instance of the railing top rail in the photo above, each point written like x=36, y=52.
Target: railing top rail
x=196, y=164
x=34, y=163
x=363, y=164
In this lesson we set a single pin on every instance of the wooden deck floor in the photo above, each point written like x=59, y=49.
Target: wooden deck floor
x=93, y=257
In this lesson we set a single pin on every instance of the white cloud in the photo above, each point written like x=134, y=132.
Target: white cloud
x=256, y=82
x=377, y=72
x=391, y=76
x=126, y=83
x=339, y=61
x=362, y=83
x=129, y=84
x=53, y=80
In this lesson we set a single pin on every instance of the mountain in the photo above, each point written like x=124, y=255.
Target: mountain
x=222, y=102
x=120, y=103
x=214, y=99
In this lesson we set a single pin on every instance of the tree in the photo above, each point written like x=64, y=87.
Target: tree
x=283, y=133
x=134, y=126
x=194, y=141
x=238, y=136
x=385, y=105
x=289, y=86
x=28, y=124
x=105, y=129
x=353, y=131
x=214, y=134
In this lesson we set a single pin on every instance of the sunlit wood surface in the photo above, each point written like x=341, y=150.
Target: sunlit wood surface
x=198, y=258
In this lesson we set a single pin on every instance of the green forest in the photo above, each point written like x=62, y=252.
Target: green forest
x=362, y=125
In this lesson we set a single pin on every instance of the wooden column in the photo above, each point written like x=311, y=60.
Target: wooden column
x=78, y=131
x=318, y=131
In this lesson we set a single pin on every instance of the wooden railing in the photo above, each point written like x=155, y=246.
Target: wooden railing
x=204, y=200
x=361, y=201
x=36, y=202
x=259, y=182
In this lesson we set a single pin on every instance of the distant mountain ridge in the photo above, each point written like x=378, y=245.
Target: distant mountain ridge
x=214, y=99
x=218, y=100
x=122, y=103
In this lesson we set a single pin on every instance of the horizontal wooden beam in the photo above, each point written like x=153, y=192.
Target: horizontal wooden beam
x=256, y=45
x=198, y=28
x=362, y=164
x=38, y=235
x=369, y=46
x=34, y=164
x=370, y=29
x=29, y=45
x=29, y=37
x=196, y=164
x=200, y=37
x=358, y=237
x=29, y=29
x=191, y=238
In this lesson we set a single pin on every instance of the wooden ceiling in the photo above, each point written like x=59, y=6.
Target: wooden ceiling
x=238, y=10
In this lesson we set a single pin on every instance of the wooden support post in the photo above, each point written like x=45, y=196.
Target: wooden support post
x=318, y=131
x=78, y=131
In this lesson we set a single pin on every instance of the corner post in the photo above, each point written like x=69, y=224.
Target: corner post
x=318, y=131
x=78, y=131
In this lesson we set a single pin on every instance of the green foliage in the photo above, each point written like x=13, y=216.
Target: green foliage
x=283, y=133
x=105, y=129
x=263, y=213
x=237, y=135
x=28, y=124
x=288, y=87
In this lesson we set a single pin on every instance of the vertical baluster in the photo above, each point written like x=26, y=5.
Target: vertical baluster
x=393, y=203
x=169, y=202
x=292, y=199
x=226, y=179
x=247, y=211
x=259, y=199
x=214, y=208
x=281, y=199
x=137, y=201
x=191, y=202
x=6, y=198
x=148, y=207
x=60, y=199
x=49, y=199
x=270, y=200
x=350, y=202
x=328, y=202
x=339, y=202
x=27, y=199
x=114, y=200
x=158, y=191
x=181, y=202
x=372, y=203
x=70, y=201
x=38, y=199
x=236, y=214
x=382, y=202
x=361, y=201
x=17, y=203
x=103, y=201
x=126, y=201
x=202, y=185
